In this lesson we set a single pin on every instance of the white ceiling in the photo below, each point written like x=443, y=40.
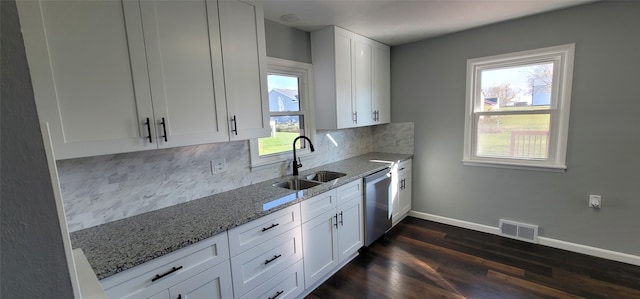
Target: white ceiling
x=395, y=22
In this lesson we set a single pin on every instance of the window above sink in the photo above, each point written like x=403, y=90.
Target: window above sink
x=291, y=112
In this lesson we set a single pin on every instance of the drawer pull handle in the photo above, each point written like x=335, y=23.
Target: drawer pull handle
x=275, y=257
x=277, y=294
x=158, y=276
x=341, y=219
x=336, y=217
x=264, y=229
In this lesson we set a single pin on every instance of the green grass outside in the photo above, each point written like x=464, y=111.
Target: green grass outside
x=498, y=142
x=280, y=143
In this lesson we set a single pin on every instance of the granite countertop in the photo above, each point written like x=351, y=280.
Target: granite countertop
x=117, y=246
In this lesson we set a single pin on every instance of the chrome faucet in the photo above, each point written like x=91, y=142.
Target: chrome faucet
x=296, y=164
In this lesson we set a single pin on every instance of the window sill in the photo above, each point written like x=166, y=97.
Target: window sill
x=512, y=165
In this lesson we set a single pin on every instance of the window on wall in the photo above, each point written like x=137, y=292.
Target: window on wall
x=290, y=104
x=517, y=110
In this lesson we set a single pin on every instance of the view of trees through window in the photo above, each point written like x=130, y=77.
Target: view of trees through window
x=514, y=116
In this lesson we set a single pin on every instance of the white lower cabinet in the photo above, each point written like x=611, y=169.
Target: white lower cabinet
x=264, y=255
x=212, y=283
x=401, y=190
x=255, y=266
x=280, y=255
x=162, y=295
x=288, y=285
x=201, y=265
x=334, y=236
x=350, y=234
x=320, y=246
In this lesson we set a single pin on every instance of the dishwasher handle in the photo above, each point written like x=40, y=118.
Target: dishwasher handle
x=378, y=176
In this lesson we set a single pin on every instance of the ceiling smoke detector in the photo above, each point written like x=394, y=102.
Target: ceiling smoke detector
x=290, y=18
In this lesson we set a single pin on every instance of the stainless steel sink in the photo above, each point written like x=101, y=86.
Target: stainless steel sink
x=325, y=176
x=297, y=184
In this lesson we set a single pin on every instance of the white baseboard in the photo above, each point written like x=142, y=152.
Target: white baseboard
x=579, y=248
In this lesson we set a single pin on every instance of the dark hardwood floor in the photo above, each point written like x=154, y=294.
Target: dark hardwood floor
x=423, y=259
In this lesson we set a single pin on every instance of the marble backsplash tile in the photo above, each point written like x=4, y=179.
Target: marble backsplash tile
x=101, y=189
x=393, y=138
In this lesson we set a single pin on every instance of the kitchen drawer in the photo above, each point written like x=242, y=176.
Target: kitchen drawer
x=317, y=205
x=286, y=284
x=404, y=167
x=158, y=274
x=257, y=265
x=349, y=190
x=256, y=232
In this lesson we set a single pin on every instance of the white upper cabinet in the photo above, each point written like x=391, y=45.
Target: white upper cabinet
x=90, y=81
x=333, y=61
x=115, y=76
x=245, y=72
x=381, y=80
x=352, y=79
x=363, y=83
x=182, y=41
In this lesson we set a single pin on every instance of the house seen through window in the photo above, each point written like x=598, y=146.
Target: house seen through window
x=523, y=96
x=290, y=93
x=518, y=108
x=286, y=119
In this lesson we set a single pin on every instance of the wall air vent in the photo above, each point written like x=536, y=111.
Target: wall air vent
x=520, y=231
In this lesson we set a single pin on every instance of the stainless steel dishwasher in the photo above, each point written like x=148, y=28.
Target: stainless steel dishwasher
x=377, y=217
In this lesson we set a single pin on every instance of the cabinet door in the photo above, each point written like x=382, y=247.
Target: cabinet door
x=319, y=247
x=381, y=78
x=405, y=195
x=162, y=295
x=212, y=283
x=363, y=83
x=243, y=49
x=182, y=41
x=317, y=205
x=344, y=79
x=90, y=81
x=287, y=284
x=350, y=234
x=256, y=265
x=396, y=185
x=263, y=229
x=401, y=191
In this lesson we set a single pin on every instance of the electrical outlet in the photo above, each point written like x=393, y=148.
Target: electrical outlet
x=218, y=166
x=595, y=201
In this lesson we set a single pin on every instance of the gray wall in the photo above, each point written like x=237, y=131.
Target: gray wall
x=428, y=88
x=33, y=259
x=287, y=42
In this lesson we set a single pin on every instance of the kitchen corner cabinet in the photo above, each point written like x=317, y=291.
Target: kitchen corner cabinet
x=332, y=231
x=123, y=76
x=401, y=191
x=352, y=79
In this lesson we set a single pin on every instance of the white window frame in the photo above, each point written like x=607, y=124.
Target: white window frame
x=562, y=56
x=305, y=72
